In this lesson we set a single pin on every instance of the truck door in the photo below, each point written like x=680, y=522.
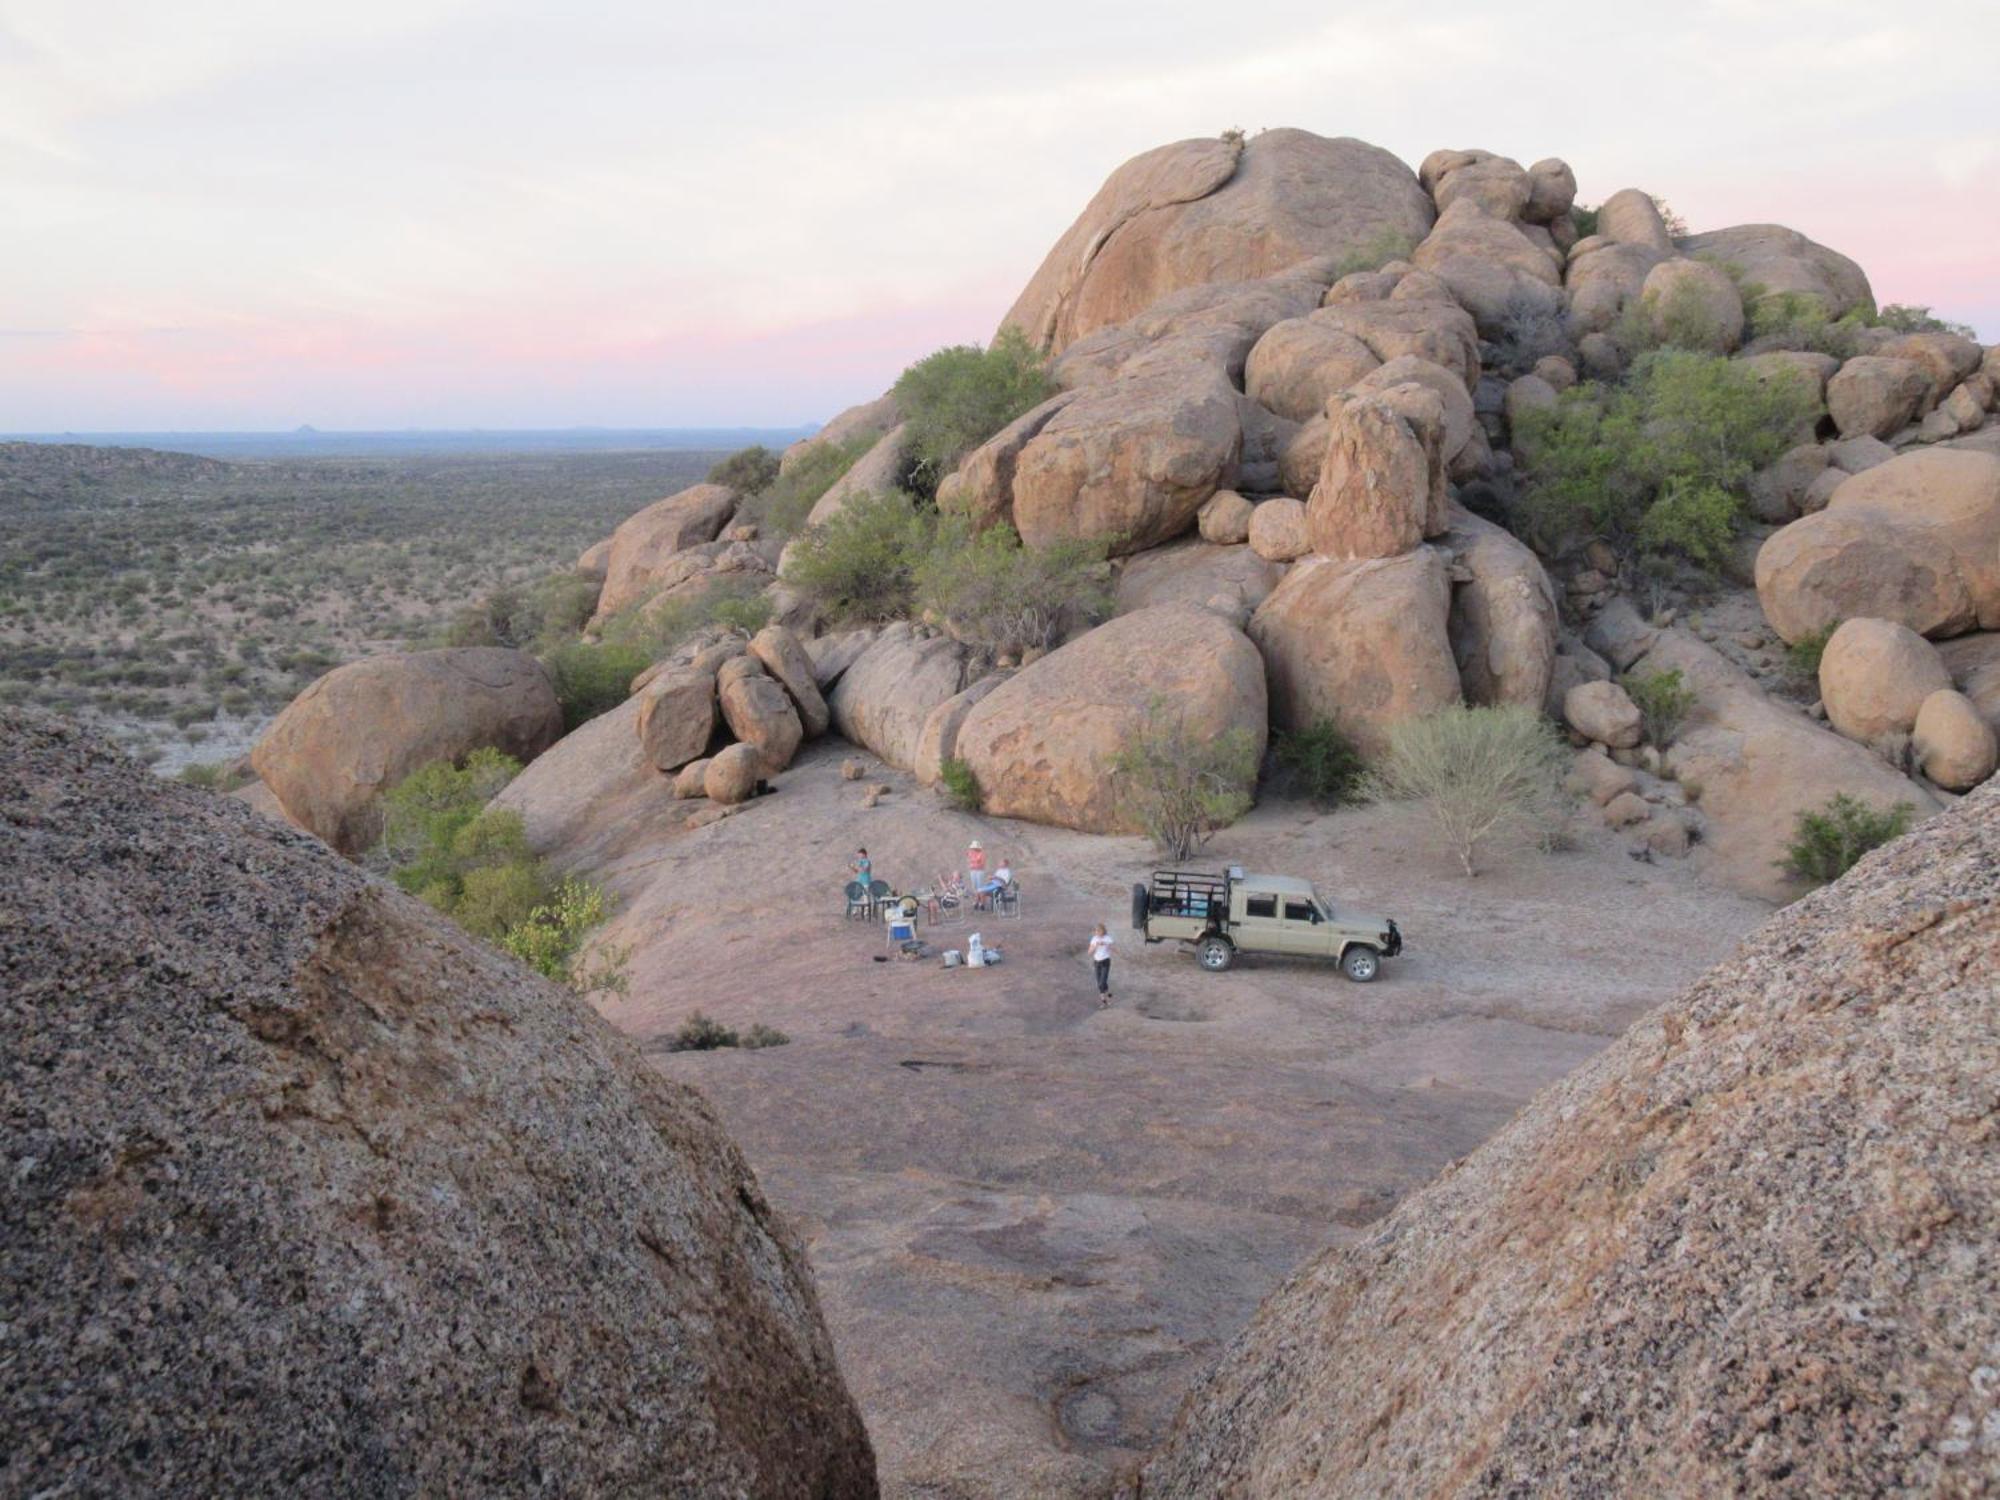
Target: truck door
x=1303, y=932
x=1261, y=929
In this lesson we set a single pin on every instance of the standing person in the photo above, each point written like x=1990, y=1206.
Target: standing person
x=1100, y=957
x=862, y=868
x=975, y=865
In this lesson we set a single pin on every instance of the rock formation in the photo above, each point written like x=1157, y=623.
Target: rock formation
x=362, y=728
x=1746, y=1250
x=310, y=1190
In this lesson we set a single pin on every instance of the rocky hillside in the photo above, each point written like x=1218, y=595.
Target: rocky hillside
x=1748, y=1250
x=1349, y=411
x=309, y=1192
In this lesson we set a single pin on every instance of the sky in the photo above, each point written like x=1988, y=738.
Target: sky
x=256, y=214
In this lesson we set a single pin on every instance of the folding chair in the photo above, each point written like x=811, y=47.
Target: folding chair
x=1007, y=900
x=858, y=904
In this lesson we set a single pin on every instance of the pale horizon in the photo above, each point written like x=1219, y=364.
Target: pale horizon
x=449, y=214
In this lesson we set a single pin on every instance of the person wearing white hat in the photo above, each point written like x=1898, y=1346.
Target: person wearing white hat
x=975, y=864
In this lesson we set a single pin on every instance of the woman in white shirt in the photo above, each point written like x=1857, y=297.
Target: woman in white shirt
x=1100, y=955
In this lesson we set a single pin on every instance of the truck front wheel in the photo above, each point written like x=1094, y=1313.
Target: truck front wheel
x=1215, y=954
x=1360, y=963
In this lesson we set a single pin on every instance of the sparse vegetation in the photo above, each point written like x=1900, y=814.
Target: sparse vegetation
x=593, y=677
x=1802, y=657
x=779, y=508
x=1677, y=227
x=1904, y=318
x=1002, y=595
x=1375, y=252
x=168, y=597
x=443, y=843
x=1831, y=839
x=1179, y=787
x=747, y=470
x=955, y=399
x=861, y=565
x=214, y=775
x=1320, y=762
x=1657, y=465
x=1584, y=217
x=703, y=1033
x=1664, y=699
x=960, y=785
x=1487, y=776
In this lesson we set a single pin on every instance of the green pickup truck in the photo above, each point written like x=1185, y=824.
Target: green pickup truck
x=1225, y=914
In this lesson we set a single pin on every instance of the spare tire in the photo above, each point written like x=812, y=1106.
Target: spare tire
x=1139, y=905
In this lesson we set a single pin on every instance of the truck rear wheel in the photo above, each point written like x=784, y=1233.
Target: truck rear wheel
x=1139, y=905
x=1214, y=954
x=1360, y=963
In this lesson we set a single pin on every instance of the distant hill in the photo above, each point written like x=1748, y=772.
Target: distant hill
x=42, y=470
x=309, y=442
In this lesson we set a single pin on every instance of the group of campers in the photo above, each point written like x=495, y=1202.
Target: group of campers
x=986, y=890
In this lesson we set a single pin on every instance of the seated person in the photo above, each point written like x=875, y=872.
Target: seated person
x=1002, y=877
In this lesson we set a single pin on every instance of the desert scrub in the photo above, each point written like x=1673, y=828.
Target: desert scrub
x=1829, y=840
x=1320, y=762
x=862, y=564
x=703, y=1033
x=443, y=843
x=215, y=775
x=1663, y=699
x=955, y=399
x=961, y=787
x=1658, y=465
x=1487, y=776
x=1802, y=657
x=592, y=678
x=997, y=593
x=1180, y=787
x=747, y=470
x=779, y=507
x=1375, y=252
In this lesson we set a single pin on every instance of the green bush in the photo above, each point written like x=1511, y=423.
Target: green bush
x=1321, y=762
x=215, y=775
x=861, y=565
x=1381, y=247
x=1798, y=320
x=960, y=785
x=654, y=627
x=1904, y=318
x=1584, y=217
x=780, y=508
x=1005, y=596
x=1802, y=657
x=1682, y=435
x=1829, y=840
x=593, y=679
x=701, y=1033
x=955, y=399
x=1485, y=775
x=747, y=470
x=443, y=843
x=1663, y=699
x=760, y=1035
x=1180, y=787
x=550, y=937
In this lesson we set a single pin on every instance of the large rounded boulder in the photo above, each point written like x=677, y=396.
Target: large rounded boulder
x=311, y=1192
x=1042, y=743
x=644, y=544
x=1781, y=261
x=1366, y=644
x=883, y=699
x=1915, y=540
x=1873, y=677
x=1131, y=462
x=1216, y=210
x=1747, y=1250
x=362, y=728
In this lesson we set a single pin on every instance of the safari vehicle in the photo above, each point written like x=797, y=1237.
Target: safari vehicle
x=1231, y=913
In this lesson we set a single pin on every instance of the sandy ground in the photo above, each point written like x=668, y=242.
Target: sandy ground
x=1034, y=1221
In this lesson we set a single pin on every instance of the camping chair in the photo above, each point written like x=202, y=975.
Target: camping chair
x=857, y=900
x=950, y=896
x=878, y=892
x=1007, y=900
